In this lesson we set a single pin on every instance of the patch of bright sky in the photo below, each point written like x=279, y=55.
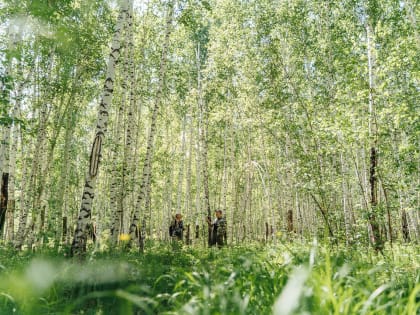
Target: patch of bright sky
x=23, y=27
x=139, y=5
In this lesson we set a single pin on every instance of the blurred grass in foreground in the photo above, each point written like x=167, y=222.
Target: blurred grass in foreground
x=299, y=279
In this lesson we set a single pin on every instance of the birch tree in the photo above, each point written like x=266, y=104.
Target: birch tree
x=147, y=165
x=374, y=226
x=84, y=217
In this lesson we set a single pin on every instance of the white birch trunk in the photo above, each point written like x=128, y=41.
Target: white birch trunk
x=84, y=218
x=32, y=195
x=375, y=236
x=188, y=202
x=12, y=167
x=6, y=90
x=145, y=181
x=24, y=199
x=224, y=183
x=118, y=186
x=198, y=166
x=115, y=181
x=233, y=189
x=346, y=210
x=202, y=130
x=181, y=167
x=129, y=160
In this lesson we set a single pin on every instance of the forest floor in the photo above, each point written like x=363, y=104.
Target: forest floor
x=292, y=278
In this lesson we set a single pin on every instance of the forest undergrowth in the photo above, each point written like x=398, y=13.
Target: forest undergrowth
x=292, y=278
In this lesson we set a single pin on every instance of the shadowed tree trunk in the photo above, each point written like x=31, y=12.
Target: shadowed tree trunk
x=404, y=226
x=290, y=227
x=3, y=200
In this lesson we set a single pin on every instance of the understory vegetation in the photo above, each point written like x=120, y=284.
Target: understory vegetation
x=287, y=278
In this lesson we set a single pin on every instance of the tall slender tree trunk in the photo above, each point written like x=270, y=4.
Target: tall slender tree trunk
x=188, y=202
x=270, y=215
x=168, y=189
x=374, y=225
x=3, y=200
x=147, y=166
x=24, y=198
x=224, y=181
x=128, y=161
x=346, y=210
x=63, y=181
x=202, y=129
x=123, y=133
x=6, y=90
x=181, y=166
x=198, y=172
x=63, y=113
x=12, y=166
x=360, y=181
x=12, y=180
x=115, y=178
x=84, y=218
x=167, y=194
x=233, y=188
x=64, y=119
x=34, y=189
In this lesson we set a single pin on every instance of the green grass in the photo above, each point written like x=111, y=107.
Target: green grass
x=252, y=279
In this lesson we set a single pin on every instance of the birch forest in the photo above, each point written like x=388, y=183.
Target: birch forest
x=209, y=157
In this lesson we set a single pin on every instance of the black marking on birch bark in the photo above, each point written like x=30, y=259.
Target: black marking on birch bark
x=84, y=209
x=115, y=50
x=102, y=104
x=88, y=194
x=87, y=215
x=95, y=155
x=109, y=90
x=109, y=82
x=83, y=216
x=103, y=113
x=87, y=185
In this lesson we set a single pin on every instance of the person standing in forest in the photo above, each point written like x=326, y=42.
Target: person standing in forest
x=176, y=228
x=218, y=229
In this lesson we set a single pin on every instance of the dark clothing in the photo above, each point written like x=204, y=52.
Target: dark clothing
x=176, y=229
x=218, y=232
